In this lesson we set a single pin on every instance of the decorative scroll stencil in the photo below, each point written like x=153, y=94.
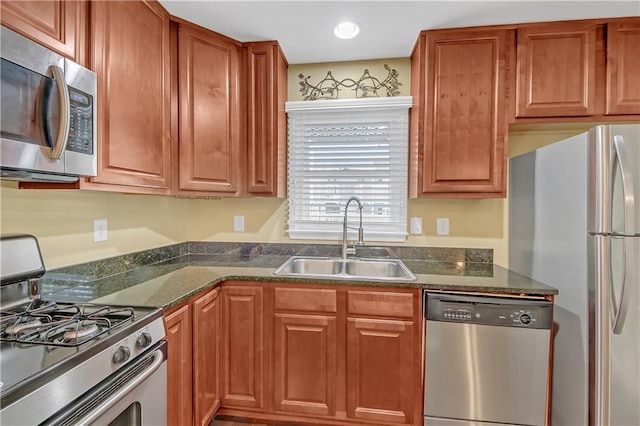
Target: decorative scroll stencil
x=366, y=86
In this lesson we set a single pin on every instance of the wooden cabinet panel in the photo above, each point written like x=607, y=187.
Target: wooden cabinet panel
x=57, y=24
x=460, y=120
x=378, y=303
x=243, y=346
x=267, y=128
x=305, y=299
x=206, y=357
x=179, y=366
x=380, y=370
x=131, y=57
x=210, y=145
x=623, y=67
x=556, y=70
x=305, y=364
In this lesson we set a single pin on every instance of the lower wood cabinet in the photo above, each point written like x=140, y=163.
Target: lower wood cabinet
x=310, y=353
x=177, y=325
x=193, y=370
x=243, y=346
x=304, y=364
x=380, y=370
x=206, y=357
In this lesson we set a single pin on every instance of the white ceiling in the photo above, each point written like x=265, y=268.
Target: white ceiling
x=389, y=29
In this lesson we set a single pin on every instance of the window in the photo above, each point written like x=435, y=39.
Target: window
x=340, y=148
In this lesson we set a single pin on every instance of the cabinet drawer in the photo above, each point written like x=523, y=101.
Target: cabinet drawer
x=385, y=304
x=305, y=299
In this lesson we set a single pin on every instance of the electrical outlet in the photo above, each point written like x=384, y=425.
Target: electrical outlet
x=99, y=230
x=416, y=225
x=442, y=225
x=238, y=223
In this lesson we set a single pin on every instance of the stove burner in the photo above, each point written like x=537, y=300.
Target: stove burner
x=81, y=330
x=18, y=328
x=61, y=325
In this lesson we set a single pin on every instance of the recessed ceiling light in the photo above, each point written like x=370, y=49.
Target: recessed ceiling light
x=346, y=30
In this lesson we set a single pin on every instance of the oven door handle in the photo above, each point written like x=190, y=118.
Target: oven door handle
x=94, y=414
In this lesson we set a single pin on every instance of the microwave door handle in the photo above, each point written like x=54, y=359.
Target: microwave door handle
x=65, y=112
x=628, y=193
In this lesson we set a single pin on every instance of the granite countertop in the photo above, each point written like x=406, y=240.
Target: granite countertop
x=169, y=282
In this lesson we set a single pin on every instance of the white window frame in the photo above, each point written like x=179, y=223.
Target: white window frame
x=303, y=118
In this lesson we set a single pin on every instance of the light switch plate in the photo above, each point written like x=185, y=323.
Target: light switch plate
x=238, y=223
x=442, y=225
x=100, y=230
x=416, y=225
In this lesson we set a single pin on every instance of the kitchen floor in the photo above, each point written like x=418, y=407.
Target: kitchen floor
x=244, y=421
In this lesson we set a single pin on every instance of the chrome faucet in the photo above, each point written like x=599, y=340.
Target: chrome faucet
x=351, y=250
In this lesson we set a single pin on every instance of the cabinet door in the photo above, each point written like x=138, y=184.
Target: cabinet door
x=380, y=370
x=556, y=70
x=463, y=142
x=210, y=148
x=179, y=367
x=305, y=364
x=57, y=24
x=131, y=58
x=243, y=337
x=267, y=122
x=206, y=357
x=623, y=67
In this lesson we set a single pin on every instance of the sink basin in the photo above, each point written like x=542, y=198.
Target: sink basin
x=351, y=268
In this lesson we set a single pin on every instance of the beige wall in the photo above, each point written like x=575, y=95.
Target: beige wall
x=355, y=69
x=63, y=220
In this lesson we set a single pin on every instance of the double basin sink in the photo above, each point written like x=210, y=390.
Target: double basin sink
x=356, y=268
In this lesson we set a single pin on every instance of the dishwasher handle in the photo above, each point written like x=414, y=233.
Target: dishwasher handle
x=489, y=310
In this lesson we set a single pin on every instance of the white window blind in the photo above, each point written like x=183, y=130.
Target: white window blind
x=341, y=148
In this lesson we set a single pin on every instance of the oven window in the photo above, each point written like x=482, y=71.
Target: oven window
x=29, y=106
x=132, y=416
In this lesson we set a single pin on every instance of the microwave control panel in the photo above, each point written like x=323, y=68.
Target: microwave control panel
x=81, y=129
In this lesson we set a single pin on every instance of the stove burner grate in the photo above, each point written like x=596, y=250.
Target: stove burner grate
x=61, y=325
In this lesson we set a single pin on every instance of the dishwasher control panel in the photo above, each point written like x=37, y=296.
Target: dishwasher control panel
x=500, y=311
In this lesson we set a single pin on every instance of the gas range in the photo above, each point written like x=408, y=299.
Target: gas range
x=61, y=353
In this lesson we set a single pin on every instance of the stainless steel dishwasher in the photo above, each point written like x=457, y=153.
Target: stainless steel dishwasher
x=487, y=360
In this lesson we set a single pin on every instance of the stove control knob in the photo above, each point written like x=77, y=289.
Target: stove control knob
x=121, y=355
x=143, y=340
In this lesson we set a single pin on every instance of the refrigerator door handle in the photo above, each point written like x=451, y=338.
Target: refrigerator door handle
x=622, y=156
x=619, y=310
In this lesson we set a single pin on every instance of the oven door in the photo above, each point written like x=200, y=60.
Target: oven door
x=133, y=396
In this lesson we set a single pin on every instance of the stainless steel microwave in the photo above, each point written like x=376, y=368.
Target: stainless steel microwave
x=48, y=114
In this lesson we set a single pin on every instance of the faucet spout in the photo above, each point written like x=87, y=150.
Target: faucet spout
x=345, y=249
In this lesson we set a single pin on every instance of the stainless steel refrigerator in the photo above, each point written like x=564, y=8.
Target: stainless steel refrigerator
x=574, y=223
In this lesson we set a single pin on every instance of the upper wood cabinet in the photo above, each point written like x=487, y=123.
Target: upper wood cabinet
x=232, y=124
x=57, y=24
x=458, y=129
x=266, y=119
x=210, y=142
x=623, y=66
x=556, y=70
x=130, y=54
